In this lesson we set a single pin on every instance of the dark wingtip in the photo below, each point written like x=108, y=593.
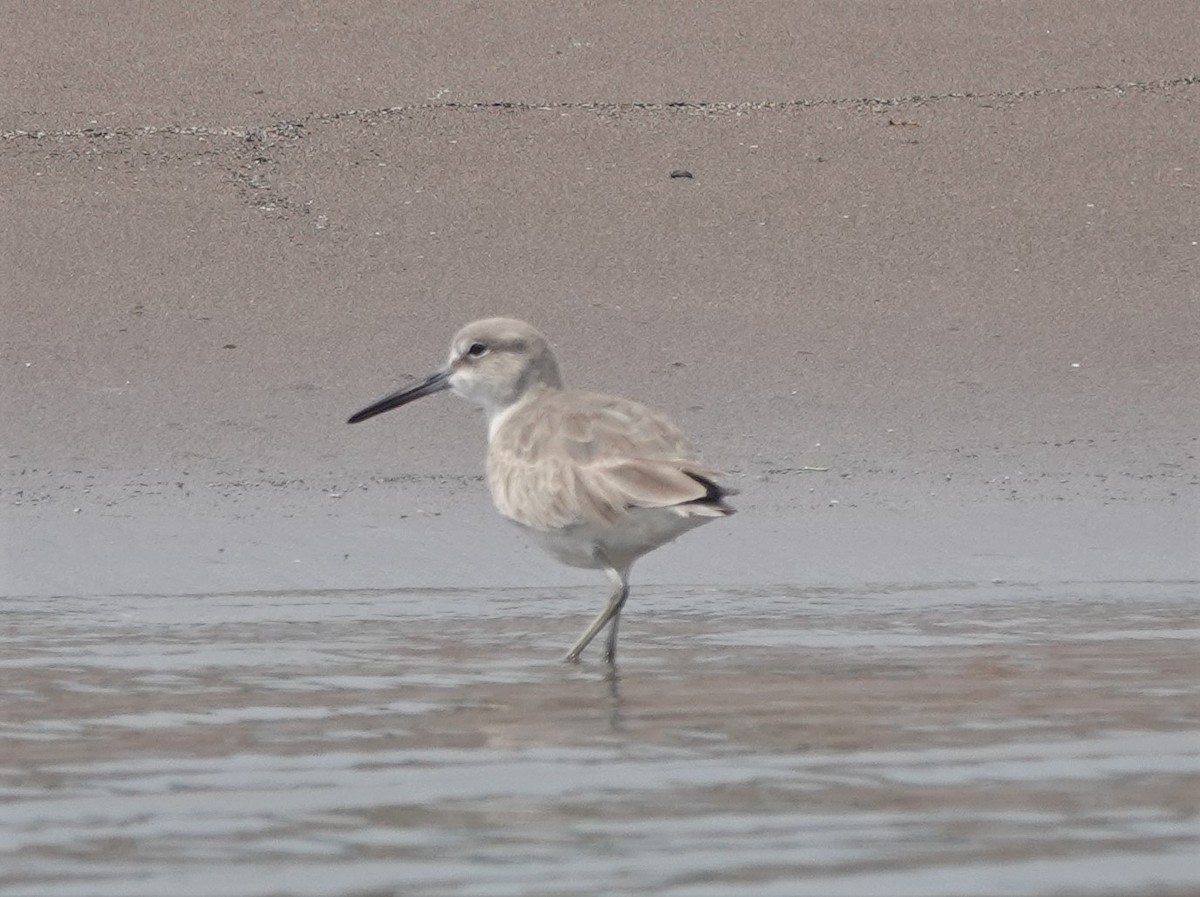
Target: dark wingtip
x=714, y=493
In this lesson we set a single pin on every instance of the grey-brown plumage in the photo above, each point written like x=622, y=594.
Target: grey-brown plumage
x=572, y=456
x=597, y=480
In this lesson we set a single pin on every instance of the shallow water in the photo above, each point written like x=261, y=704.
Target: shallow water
x=932, y=740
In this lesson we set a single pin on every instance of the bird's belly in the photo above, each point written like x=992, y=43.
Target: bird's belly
x=639, y=531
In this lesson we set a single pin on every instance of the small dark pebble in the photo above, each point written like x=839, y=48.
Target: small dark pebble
x=229, y=346
x=681, y=173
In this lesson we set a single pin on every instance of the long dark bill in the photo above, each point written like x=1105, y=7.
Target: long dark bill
x=435, y=382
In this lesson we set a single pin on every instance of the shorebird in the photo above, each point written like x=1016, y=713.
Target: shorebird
x=597, y=480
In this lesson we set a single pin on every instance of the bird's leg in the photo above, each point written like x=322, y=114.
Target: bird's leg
x=610, y=642
x=611, y=612
x=621, y=583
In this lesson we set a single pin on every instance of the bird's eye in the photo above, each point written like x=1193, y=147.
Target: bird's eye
x=477, y=350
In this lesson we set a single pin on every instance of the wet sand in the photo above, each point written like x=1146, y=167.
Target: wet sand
x=929, y=298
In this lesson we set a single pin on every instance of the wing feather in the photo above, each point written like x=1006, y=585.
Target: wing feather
x=570, y=457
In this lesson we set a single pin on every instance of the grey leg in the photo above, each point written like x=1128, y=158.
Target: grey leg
x=612, y=611
x=610, y=643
